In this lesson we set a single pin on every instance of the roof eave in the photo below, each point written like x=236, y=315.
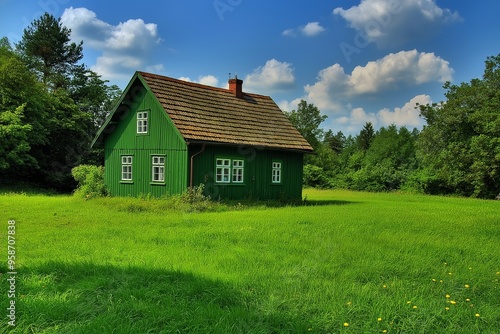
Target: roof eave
x=264, y=147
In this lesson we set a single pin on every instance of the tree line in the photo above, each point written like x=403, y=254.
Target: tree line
x=456, y=152
x=51, y=106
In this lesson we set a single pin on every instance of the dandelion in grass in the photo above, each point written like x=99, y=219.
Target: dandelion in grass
x=384, y=331
x=467, y=286
x=467, y=299
x=447, y=308
x=346, y=324
x=408, y=302
x=478, y=315
x=452, y=302
x=434, y=280
x=415, y=307
x=384, y=286
x=379, y=319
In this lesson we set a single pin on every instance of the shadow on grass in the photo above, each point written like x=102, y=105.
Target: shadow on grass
x=284, y=203
x=327, y=202
x=85, y=298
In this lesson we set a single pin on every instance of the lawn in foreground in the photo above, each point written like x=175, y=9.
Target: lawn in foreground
x=350, y=263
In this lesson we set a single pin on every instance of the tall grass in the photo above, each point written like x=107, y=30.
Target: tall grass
x=348, y=262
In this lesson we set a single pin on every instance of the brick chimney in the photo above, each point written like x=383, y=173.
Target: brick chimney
x=236, y=87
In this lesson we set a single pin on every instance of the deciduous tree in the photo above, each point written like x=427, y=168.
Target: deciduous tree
x=460, y=145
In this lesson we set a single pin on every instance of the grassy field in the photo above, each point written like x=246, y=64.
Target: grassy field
x=348, y=262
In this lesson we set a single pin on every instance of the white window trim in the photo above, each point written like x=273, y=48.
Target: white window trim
x=126, y=164
x=276, y=174
x=142, y=122
x=237, y=167
x=158, y=168
x=222, y=170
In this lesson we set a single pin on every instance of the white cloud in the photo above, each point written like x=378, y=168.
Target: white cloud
x=125, y=47
x=356, y=119
x=395, y=22
x=289, y=33
x=156, y=68
x=334, y=88
x=309, y=30
x=407, y=115
x=289, y=106
x=208, y=80
x=312, y=29
x=273, y=76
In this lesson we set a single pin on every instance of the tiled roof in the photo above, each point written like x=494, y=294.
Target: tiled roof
x=209, y=114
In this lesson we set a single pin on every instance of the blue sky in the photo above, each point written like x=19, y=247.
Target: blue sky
x=357, y=61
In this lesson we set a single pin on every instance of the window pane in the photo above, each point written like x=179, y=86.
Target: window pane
x=158, y=172
x=238, y=171
x=142, y=122
x=276, y=172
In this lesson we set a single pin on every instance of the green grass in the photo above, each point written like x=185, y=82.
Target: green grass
x=117, y=265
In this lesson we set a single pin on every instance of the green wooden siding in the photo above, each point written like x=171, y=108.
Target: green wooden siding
x=257, y=172
x=162, y=139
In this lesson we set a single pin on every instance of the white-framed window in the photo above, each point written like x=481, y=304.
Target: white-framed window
x=158, y=173
x=142, y=122
x=126, y=168
x=229, y=170
x=222, y=170
x=276, y=172
x=238, y=168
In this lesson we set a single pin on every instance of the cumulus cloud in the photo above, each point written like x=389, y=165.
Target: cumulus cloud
x=125, y=47
x=273, y=76
x=312, y=29
x=407, y=115
x=289, y=106
x=394, y=22
x=406, y=68
x=208, y=80
x=356, y=119
x=309, y=30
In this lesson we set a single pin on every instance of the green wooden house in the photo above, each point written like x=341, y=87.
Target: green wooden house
x=166, y=135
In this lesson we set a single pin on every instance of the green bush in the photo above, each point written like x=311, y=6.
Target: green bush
x=90, y=181
x=315, y=176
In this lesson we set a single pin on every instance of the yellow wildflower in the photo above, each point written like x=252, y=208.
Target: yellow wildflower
x=467, y=286
x=346, y=324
